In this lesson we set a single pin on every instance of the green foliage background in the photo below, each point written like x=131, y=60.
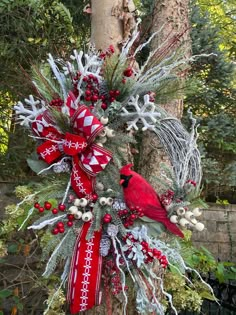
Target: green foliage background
x=29, y=31
x=211, y=94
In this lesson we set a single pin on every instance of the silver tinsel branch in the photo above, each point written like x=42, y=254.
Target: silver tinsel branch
x=181, y=147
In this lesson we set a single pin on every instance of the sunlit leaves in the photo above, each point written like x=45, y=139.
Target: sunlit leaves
x=223, y=16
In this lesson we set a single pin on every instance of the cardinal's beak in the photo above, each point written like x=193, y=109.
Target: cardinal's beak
x=122, y=181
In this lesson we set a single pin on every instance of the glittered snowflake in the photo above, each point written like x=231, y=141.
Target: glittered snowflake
x=138, y=112
x=29, y=111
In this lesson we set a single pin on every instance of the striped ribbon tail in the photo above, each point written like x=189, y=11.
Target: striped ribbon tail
x=85, y=272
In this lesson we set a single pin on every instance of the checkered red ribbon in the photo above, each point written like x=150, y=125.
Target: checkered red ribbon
x=88, y=158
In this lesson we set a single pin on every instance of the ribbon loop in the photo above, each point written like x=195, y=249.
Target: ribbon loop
x=95, y=159
x=86, y=123
x=43, y=126
x=49, y=151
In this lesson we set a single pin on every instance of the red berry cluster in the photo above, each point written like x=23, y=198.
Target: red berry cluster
x=91, y=93
x=75, y=83
x=48, y=206
x=129, y=216
x=107, y=218
x=192, y=182
x=60, y=226
x=113, y=273
x=91, y=88
x=149, y=253
x=151, y=96
x=58, y=102
x=167, y=197
x=108, y=52
x=128, y=72
x=113, y=94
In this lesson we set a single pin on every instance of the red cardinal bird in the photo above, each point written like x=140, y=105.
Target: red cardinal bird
x=138, y=192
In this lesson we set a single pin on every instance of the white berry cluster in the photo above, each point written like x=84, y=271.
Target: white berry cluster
x=106, y=201
x=188, y=218
x=78, y=214
x=106, y=132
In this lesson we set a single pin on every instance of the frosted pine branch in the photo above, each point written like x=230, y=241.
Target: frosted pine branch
x=181, y=148
x=29, y=111
x=138, y=111
x=61, y=79
x=50, y=221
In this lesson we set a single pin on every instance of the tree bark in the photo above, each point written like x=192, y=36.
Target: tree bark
x=106, y=26
x=111, y=23
x=173, y=14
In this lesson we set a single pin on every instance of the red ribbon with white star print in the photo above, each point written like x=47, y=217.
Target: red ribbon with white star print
x=85, y=272
x=88, y=158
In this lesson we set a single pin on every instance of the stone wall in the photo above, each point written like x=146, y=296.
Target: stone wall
x=219, y=236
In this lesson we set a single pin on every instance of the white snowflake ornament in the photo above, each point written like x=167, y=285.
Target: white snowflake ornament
x=29, y=111
x=138, y=111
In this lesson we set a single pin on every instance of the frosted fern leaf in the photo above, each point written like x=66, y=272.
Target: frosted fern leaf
x=144, y=112
x=29, y=111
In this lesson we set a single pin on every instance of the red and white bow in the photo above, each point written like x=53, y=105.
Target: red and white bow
x=88, y=158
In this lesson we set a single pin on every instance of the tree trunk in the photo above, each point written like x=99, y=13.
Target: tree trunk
x=106, y=28
x=109, y=26
x=173, y=14
x=111, y=23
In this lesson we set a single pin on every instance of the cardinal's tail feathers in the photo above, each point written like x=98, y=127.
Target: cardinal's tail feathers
x=173, y=228
x=159, y=214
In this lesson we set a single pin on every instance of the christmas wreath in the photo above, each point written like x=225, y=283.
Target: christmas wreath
x=106, y=221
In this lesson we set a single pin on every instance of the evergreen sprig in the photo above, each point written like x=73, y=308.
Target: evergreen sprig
x=113, y=75
x=62, y=121
x=119, y=147
x=110, y=177
x=63, y=250
x=50, y=246
x=44, y=82
x=96, y=224
x=52, y=186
